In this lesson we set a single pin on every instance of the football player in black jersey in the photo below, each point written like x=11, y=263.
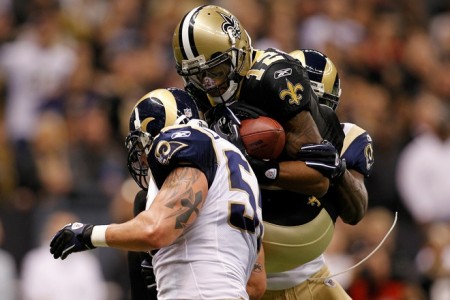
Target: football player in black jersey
x=214, y=56
x=357, y=149
x=347, y=194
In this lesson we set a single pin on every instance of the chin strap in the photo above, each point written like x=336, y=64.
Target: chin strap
x=327, y=279
x=230, y=92
x=197, y=123
x=181, y=120
x=137, y=122
x=225, y=97
x=193, y=122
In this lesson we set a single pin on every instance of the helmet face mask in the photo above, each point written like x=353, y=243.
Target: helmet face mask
x=153, y=112
x=213, y=80
x=207, y=37
x=328, y=99
x=322, y=74
x=137, y=157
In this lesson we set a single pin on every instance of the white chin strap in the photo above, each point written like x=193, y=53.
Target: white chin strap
x=193, y=122
x=180, y=120
x=197, y=123
x=229, y=93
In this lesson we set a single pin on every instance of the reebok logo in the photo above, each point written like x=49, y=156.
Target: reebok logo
x=271, y=173
x=282, y=73
x=76, y=225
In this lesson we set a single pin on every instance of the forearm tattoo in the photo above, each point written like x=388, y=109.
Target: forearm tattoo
x=182, y=197
x=257, y=267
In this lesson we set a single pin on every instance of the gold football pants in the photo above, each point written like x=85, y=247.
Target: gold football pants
x=311, y=289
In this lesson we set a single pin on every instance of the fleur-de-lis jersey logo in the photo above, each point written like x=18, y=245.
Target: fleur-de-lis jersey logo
x=165, y=150
x=293, y=93
x=231, y=23
x=313, y=201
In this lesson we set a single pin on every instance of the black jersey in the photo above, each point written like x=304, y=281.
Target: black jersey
x=278, y=84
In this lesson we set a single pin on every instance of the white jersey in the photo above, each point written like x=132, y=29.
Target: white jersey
x=214, y=257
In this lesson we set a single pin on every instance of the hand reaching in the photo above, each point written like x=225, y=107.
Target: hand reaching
x=73, y=237
x=266, y=170
x=148, y=275
x=324, y=158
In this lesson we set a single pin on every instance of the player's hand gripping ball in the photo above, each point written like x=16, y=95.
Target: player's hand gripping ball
x=263, y=137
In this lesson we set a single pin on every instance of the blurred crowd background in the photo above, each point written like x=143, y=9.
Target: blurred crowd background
x=71, y=70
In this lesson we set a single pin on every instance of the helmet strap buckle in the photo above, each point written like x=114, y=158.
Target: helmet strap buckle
x=194, y=65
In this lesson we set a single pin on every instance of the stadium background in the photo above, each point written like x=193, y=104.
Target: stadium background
x=70, y=70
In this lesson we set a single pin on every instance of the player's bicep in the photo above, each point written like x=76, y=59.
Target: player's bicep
x=358, y=175
x=179, y=201
x=300, y=130
x=352, y=197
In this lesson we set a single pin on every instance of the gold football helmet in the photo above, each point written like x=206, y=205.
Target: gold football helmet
x=322, y=74
x=212, y=51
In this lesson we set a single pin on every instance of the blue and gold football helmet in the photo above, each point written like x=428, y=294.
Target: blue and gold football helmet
x=153, y=112
x=322, y=74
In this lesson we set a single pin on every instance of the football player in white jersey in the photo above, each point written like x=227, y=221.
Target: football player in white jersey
x=205, y=218
x=347, y=198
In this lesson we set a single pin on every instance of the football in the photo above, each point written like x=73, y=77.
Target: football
x=262, y=137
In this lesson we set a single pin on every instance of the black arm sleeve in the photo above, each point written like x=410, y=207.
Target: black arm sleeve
x=138, y=286
x=139, y=289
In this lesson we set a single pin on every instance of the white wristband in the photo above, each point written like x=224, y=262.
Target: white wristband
x=98, y=236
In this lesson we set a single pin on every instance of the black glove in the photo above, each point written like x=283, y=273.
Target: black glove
x=324, y=158
x=266, y=170
x=224, y=119
x=74, y=237
x=148, y=275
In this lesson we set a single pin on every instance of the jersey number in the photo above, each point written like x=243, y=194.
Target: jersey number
x=238, y=213
x=267, y=59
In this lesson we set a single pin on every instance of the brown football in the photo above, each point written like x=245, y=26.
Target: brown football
x=263, y=137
